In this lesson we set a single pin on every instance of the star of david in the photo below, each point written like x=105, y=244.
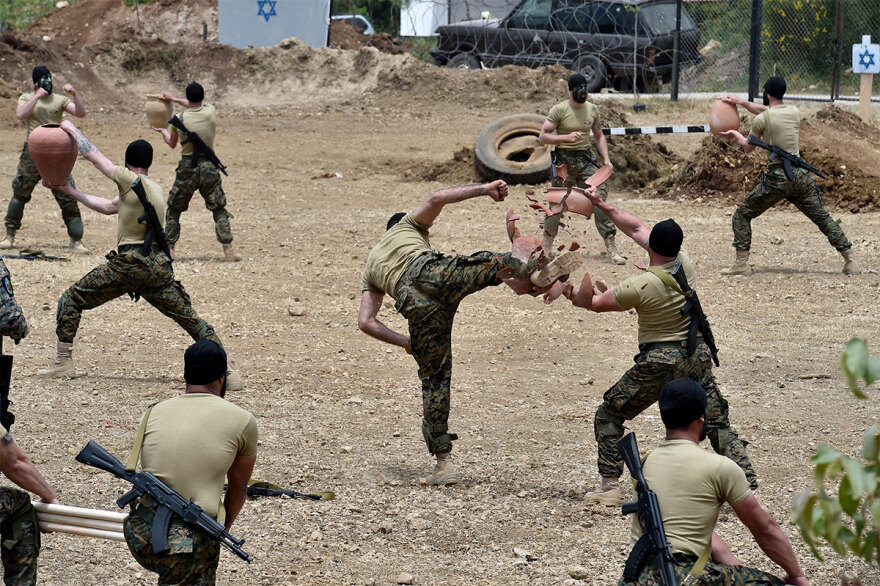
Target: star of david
x=866, y=59
x=267, y=8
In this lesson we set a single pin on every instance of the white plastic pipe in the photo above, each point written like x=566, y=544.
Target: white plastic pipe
x=98, y=514
x=115, y=526
x=82, y=531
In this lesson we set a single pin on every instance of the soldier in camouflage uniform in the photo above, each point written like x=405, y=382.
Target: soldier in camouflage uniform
x=691, y=485
x=19, y=531
x=662, y=356
x=779, y=125
x=428, y=287
x=128, y=269
x=568, y=126
x=193, y=442
x=202, y=174
x=42, y=106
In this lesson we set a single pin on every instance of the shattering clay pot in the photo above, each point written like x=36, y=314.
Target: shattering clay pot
x=577, y=201
x=53, y=151
x=158, y=111
x=723, y=117
x=601, y=175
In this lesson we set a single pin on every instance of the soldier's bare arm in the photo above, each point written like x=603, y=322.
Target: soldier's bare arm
x=24, y=111
x=18, y=468
x=169, y=97
x=368, y=322
x=625, y=221
x=428, y=211
x=77, y=107
x=238, y=476
x=548, y=135
x=169, y=136
x=770, y=538
x=750, y=106
x=587, y=297
x=88, y=150
x=601, y=143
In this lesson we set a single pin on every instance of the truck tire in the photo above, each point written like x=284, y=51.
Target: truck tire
x=508, y=149
x=464, y=61
x=591, y=67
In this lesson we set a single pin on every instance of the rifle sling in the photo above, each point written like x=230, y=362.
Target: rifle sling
x=138, y=442
x=668, y=280
x=699, y=565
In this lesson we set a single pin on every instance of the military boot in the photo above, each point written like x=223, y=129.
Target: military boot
x=9, y=240
x=62, y=366
x=230, y=254
x=444, y=473
x=233, y=379
x=613, y=254
x=564, y=264
x=607, y=494
x=77, y=247
x=850, y=267
x=740, y=266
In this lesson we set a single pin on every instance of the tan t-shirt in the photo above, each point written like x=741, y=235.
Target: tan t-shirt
x=128, y=231
x=779, y=126
x=568, y=120
x=389, y=259
x=657, y=304
x=191, y=441
x=202, y=121
x=691, y=484
x=48, y=110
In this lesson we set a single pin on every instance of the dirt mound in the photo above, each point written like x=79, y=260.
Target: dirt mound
x=345, y=36
x=836, y=142
x=89, y=22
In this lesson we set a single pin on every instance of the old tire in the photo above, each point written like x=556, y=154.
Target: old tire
x=593, y=68
x=464, y=61
x=508, y=149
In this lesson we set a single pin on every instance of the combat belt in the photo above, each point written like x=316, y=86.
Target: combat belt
x=677, y=281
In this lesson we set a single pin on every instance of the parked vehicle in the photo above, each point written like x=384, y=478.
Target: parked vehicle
x=358, y=21
x=607, y=41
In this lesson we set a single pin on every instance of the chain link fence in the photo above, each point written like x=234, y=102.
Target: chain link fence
x=630, y=43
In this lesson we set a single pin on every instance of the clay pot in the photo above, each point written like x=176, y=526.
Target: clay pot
x=723, y=117
x=158, y=111
x=577, y=202
x=53, y=151
x=601, y=175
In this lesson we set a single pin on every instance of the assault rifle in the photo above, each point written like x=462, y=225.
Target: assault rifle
x=155, y=229
x=699, y=321
x=787, y=158
x=257, y=488
x=6, y=418
x=200, y=149
x=167, y=502
x=653, y=539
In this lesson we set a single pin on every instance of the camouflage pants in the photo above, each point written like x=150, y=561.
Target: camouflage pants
x=26, y=178
x=655, y=365
x=802, y=191
x=193, y=558
x=150, y=277
x=18, y=524
x=206, y=178
x=713, y=574
x=580, y=166
x=428, y=296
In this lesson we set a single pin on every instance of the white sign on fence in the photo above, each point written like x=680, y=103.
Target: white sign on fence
x=866, y=57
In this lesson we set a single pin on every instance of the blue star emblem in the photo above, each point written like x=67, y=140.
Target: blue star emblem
x=267, y=8
x=866, y=59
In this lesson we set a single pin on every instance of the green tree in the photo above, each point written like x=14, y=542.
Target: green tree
x=848, y=522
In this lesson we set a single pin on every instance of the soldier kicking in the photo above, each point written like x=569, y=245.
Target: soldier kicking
x=428, y=287
x=128, y=270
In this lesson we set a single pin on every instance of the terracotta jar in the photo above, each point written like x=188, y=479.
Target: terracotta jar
x=53, y=151
x=158, y=111
x=723, y=117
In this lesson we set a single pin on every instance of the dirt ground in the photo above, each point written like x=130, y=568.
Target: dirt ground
x=339, y=411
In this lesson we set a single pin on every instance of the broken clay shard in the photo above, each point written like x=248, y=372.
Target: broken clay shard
x=577, y=201
x=574, y=246
x=601, y=175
